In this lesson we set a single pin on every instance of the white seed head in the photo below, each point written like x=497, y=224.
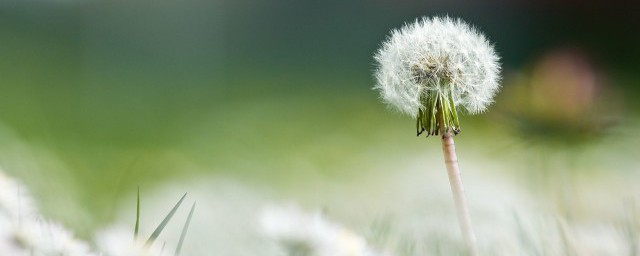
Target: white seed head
x=437, y=55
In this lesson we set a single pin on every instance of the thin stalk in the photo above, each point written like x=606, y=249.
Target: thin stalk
x=462, y=209
x=137, y=227
x=184, y=230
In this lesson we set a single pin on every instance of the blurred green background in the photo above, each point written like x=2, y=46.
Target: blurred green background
x=99, y=97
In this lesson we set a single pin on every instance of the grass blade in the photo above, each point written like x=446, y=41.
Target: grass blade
x=137, y=228
x=184, y=230
x=164, y=222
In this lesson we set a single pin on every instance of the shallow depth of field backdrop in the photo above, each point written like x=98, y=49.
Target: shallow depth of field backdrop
x=100, y=97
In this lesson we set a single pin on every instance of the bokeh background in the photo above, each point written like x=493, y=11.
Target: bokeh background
x=98, y=98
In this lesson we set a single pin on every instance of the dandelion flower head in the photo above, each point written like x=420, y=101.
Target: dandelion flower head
x=433, y=67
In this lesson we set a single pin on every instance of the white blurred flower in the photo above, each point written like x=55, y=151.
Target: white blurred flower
x=24, y=233
x=15, y=200
x=119, y=241
x=299, y=233
x=437, y=63
x=48, y=238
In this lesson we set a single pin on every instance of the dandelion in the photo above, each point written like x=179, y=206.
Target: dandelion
x=434, y=66
x=428, y=70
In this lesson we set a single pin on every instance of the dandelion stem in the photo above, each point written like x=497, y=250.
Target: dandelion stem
x=455, y=180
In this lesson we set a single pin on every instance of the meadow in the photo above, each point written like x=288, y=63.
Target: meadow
x=264, y=114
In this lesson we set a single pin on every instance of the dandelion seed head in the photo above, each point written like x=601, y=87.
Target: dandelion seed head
x=437, y=56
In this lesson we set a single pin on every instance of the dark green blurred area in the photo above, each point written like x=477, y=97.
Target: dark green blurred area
x=128, y=93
